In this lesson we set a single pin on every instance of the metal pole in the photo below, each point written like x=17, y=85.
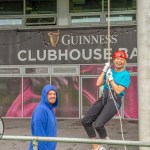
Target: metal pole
x=78, y=140
x=62, y=12
x=35, y=144
x=143, y=45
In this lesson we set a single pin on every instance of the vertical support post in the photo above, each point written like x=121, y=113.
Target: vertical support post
x=35, y=144
x=62, y=12
x=143, y=45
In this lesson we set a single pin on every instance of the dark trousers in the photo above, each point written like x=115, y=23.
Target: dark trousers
x=100, y=112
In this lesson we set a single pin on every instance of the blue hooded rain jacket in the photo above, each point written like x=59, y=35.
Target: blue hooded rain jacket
x=43, y=121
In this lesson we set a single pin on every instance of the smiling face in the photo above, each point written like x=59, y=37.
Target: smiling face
x=119, y=63
x=51, y=96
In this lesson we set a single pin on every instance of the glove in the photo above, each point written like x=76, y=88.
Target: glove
x=109, y=75
x=106, y=67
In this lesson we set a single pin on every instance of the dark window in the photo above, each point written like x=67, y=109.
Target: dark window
x=116, y=5
x=41, y=6
x=85, y=6
x=11, y=7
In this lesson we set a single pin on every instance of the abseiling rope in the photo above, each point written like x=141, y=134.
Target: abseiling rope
x=108, y=81
x=109, y=31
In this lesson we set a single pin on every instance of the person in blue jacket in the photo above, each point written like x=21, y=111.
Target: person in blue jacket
x=115, y=82
x=43, y=121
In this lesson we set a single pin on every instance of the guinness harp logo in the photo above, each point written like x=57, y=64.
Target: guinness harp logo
x=54, y=38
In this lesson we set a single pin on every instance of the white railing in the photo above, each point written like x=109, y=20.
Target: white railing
x=76, y=140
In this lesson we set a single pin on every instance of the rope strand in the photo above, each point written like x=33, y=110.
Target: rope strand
x=107, y=80
x=109, y=31
x=121, y=126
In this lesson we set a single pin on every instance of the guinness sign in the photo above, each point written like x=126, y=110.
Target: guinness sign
x=54, y=38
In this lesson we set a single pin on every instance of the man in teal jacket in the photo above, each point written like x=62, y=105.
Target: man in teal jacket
x=43, y=121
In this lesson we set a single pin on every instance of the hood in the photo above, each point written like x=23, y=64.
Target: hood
x=44, y=99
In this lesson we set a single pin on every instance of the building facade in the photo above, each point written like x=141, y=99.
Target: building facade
x=64, y=43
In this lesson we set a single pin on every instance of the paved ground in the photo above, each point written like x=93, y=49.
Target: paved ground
x=68, y=128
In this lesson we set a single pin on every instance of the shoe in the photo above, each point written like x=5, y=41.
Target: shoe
x=102, y=147
x=98, y=148
x=107, y=138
